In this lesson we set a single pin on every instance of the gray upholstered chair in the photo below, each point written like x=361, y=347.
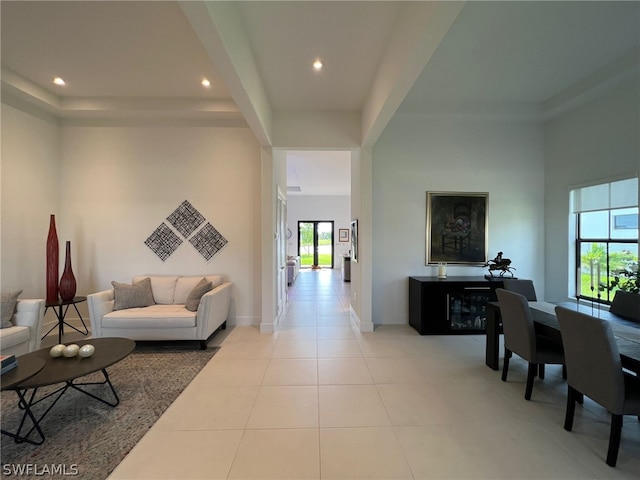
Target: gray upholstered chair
x=520, y=338
x=523, y=287
x=626, y=305
x=594, y=369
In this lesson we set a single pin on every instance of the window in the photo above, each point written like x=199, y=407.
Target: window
x=606, y=217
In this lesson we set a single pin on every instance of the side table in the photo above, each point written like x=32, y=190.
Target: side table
x=26, y=369
x=60, y=308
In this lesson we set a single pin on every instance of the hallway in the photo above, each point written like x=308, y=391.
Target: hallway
x=319, y=399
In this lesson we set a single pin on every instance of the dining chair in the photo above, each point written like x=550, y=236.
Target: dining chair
x=594, y=369
x=520, y=338
x=626, y=305
x=523, y=287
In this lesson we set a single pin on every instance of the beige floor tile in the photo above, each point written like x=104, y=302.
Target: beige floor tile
x=235, y=334
x=291, y=371
x=343, y=371
x=450, y=416
x=338, y=348
x=381, y=347
x=336, y=332
x=374, y=453
x=231, y=372
x=248, y=349
x=351, y=406
x=441, y=452
x=394, y=370
x=296, y=332
x=285, y=407
x=418, y=404
x=181, y=455
x=210, y=408
x=277, y=454
x=295, y=349
x=343, y=320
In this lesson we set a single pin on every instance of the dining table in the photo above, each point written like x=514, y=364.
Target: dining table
x=545, y=322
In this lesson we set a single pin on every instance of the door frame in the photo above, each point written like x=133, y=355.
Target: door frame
x=315, y=241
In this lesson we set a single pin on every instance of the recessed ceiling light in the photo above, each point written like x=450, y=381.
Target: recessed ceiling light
x=205, y=82
x=317, y=65
x=59, y=81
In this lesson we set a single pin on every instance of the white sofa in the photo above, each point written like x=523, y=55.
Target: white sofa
x=168, y=319
x=293, y=268
x=25, y=334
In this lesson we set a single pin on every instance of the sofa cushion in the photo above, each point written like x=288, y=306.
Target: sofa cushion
x=186, y=284
x=154, y=316
x=193, y=300
x=8, y=302
x=14, y=336
x=130, y=296
x=162, y=286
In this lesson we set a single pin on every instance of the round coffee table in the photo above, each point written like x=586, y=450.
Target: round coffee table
x=67, y=370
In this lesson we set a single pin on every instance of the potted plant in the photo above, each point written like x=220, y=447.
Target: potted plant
x=626, y=279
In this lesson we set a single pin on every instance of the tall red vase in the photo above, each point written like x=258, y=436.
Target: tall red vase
x=52, y=261
x=68, y=280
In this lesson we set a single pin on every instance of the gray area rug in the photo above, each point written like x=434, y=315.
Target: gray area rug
x=87, y=439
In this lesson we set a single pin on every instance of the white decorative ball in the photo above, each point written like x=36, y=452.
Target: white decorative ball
x=86, y=350
x=56, y=350
x=71, y=350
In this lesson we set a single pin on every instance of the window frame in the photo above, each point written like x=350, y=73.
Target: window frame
x=579, y=241
x=607, y=199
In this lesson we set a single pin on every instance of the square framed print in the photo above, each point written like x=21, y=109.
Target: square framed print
x=343, y=234
x=457, y=228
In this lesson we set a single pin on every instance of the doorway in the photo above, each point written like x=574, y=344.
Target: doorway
x=315, y=243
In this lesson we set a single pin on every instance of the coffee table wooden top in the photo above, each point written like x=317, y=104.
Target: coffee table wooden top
x=27, y=368
x=62, y=369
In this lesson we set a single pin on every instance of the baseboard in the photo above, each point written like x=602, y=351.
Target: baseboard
x=364, y=327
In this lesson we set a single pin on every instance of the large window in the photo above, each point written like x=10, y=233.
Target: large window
x=606, y=217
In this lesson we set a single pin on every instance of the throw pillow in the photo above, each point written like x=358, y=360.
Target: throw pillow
x=131, y=296
x=8, y=303
x=193, y=300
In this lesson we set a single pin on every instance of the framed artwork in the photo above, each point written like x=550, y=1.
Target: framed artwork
x=354, y=241
x=457, y=228
x=343, y=234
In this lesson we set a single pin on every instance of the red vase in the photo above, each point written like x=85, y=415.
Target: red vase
x=52, y=261
x=68, y=280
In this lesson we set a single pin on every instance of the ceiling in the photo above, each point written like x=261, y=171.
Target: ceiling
x=145, y=60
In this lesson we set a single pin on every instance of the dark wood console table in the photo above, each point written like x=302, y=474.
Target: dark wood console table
x=452, y=305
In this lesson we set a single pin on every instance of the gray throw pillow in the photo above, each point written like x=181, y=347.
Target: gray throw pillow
x=8, y=303
x=193, y=300
x=131, y=296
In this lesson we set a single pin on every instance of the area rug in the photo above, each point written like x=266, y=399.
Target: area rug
x=86, y=439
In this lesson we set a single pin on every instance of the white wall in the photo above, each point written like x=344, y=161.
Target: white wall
x=420, y=153
x=30, y=194
x=596, y=141
x=120, y=183
x=110, y=187
x=314, y=207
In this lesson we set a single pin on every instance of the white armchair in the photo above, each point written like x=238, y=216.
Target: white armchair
x=25, y=334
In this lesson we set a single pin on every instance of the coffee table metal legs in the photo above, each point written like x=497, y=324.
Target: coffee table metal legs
x=106, y=382
x=18, y=437
x=26, y=404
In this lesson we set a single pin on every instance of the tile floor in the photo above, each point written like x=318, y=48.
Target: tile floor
x=319, y=399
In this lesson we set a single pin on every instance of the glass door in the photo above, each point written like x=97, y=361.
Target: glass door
x=315, y=244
